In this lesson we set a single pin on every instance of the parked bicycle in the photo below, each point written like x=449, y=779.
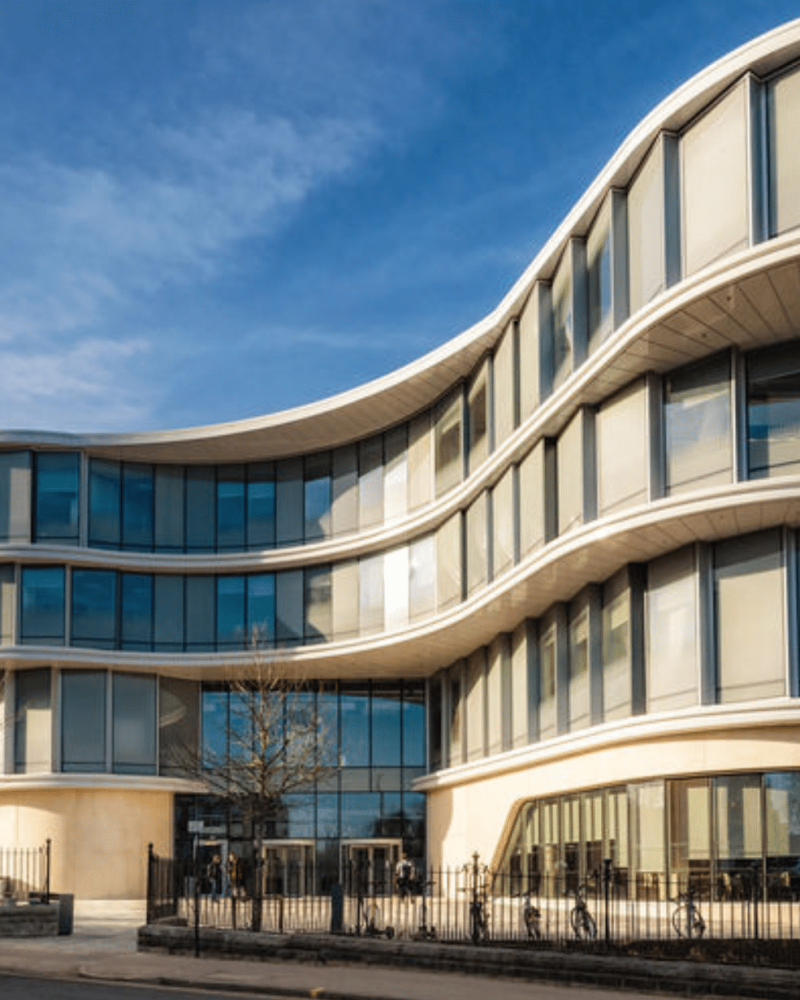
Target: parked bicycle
x=687, y=918
x=424, y=931
x=478, y=921
x=372, y=921
x=531, y=918
x=583, y=924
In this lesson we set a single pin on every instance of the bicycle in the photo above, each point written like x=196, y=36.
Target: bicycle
x=478, y=921
x=531, y=918
x=424, y=931
x=373, y=920
x=583, y=924
x=687, y=918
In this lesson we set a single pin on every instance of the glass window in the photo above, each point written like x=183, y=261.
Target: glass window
x=647, y=836
x=83, y=720
x=497, y=696
x=579, y=666
x=395, y=588
x=42, y=619
x=200, y=613
x=420, y=463
x=478, y=416
x=750, y=617
x=737, y=831
x=169, y=499
x=422, y=577
x=395, y=473
x=386, y=726
x=136, y=616
x=520, y=685
x=318, y=608
x=261, y=609
x=697, y=425
x=345, y=490
x=137, y=507
x=230, y=612
x=475, y=699
x=230, y=507
x=370, y=594
x=784, y=152
x=178, y=724
x=714, y=182
x=134, y=724
x=345, y=599
x=200, y=512
x=617, y=845
x=773, y=411
x=94, y=608
x=689, y=830
x=563, y=332
x=289, y=502
x=598, y=278
x=8, y=606
x=370, y=482
x=448, y=563
x=261, y=506
x=646, y=261
x=15, y=496
x=105, y=499
x=456, y=714
x=782, y=821
x=617, y=678
x=168, y=613
x=448, y=435
x=437, y=759
x=672, y=653
x=505, y=386
x=414, y=724
x=547, y=681
x=317, y=496
x=32, y=721
x=622, y=453
x=477, y=544
x=289, y=607
x=503, y=524
x=532, y=500
x=529, y=351
x=570, y=452
x=356, y=736
x=57, y=475
x=215, y=727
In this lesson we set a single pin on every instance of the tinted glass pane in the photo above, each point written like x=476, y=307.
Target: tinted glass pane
x=230, y=612
x=386, y=727
x=169, y=503
x=478, y=416
x=15, y=496
x=414, y=725
x=136, y=616
x=94, y=608
x=83, y=720
x=261, y=609
x=773, y=411
x=200, y=512
x=230, y=507
x=32, y=721
x=354, y=705
x=104, y=503
x=137, y=506
x=260, y=506
x=215, y=727
x=134, y=727
x=370, y=482
x=178, y=725
x=200, y=614
x=448, y=462
x=317, y=496
x=42, y=606
x=57, y=496
x=318, y=610
x=168, y=618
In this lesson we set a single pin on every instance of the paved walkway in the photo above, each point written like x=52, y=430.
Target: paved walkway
x=103, y=946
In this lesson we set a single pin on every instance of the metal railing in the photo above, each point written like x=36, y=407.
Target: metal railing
x=747, y=919
x=25, y=872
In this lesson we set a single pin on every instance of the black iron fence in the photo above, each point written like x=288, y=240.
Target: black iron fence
x=25, y=872
x=609, y=910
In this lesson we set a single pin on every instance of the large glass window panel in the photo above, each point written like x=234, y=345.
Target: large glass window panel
x=317, y=496
x=32, y=721
x=15, y=496
x=782, y=821
x=414, y=724
x=477, y=544
x=579, y=666
x=505, y=386
x=57, y=489
x=230, y=507
x=529, y=352
x=260, y=609
x=370, y=482
x=345, y=490
x=200, y=509
x=563, y=320
x=750, y=617
x=370, y=592
x=136, y=613
x=318, y=605
x=200, y=613
x=714, y=182
x=422, y=577
x=503, y=524
x=345, y=599
x=570, y=474
x=547, y=681
x=436, y=756
x=520, y=686
x=476, y=704
x=646, y=263
x=773, y=411
x=216, y=726
x=697, y=425
x=672, y=642
x=395, y=588
x=289, y=502
x=395, y=473
x=616, y=842
x=478, y=416
x=448, y=563
x=168, y=613
x=105, y=499
x=455, y=703
x=356, y=736
x=137, y=507
x=8, y=605
x=622, y=453
x=230, y=612
x=83, y=720
x=784, y=152
x=386, y=726
x=94, y=608
x=261, y=505
x=178, y=725
x=598, y=277
x=616, y=649
x=420, y=461
x=448, y=436
x=134, y=724
x=531, y=500
x=689, y=830
x=289, y=607
x=738, y=836
x=497, y=702
x=42, y=603
x=169, y=502
x=647, y=821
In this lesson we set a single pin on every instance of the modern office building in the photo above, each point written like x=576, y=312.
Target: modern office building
x=542, y=584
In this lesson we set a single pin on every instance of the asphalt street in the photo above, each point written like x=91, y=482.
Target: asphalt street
x=19, y=988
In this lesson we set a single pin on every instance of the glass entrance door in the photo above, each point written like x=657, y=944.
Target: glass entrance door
x=288, y=867
x=368, y=866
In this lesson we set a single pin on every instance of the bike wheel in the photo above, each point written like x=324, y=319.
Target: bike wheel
x=680, y=918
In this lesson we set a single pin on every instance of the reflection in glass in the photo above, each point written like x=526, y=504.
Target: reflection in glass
x=94, y=608
x=83, y=720
x=672, y=668
x=773, y=411
x=137, y=507
x=230, y=507
x=448, y=461
x=261, y=609
x=15, y=496
x=42, y=618
x=697, y=425
x=317, y=496
x=230, y=612
x=261, y=506
x=32, y=721
x=57, y=475
x=134, y=724
x=104, y=503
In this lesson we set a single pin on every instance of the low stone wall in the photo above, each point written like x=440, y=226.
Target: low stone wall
x=671, y=974
x=29, y=920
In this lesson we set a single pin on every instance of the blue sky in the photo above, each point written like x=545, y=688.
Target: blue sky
x=213, y=209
